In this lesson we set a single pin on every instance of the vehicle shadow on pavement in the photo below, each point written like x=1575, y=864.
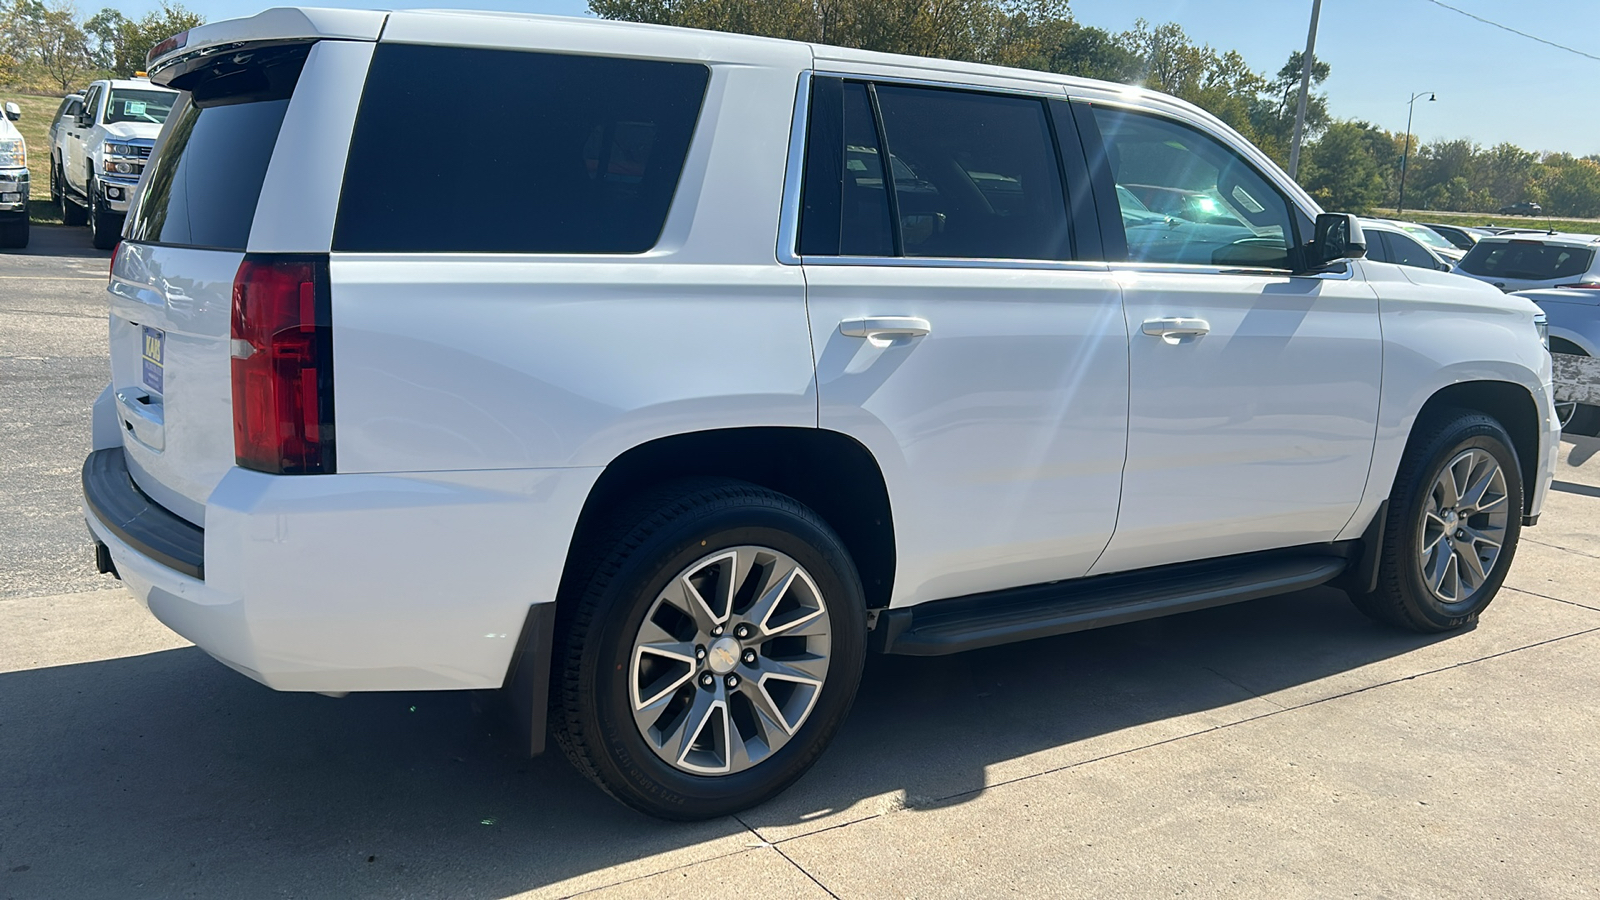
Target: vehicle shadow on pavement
x=58, y=240
x=166, y=773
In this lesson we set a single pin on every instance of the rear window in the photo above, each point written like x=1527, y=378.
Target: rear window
x=1526, y=260
x=202, y=188
x=547, y=153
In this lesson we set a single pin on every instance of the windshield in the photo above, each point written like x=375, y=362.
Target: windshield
x=1428, y=236
x=130, y=105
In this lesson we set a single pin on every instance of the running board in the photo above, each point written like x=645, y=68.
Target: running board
x=1021, y=614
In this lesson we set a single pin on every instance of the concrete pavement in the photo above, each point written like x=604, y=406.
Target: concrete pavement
x=1282, y=748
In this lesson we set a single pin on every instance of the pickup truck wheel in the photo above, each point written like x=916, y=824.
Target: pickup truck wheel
x=710, y=652
x=105, y=226
x=71, y=212
x=1454, y=520
x=55, y=181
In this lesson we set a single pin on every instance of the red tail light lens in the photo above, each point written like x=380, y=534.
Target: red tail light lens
x=283, y=366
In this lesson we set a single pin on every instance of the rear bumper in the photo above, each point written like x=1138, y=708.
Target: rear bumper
x=340, y=583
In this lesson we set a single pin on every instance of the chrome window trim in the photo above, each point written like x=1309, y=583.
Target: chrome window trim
x=1196, y=269
x=956, y=262
x=789, y=213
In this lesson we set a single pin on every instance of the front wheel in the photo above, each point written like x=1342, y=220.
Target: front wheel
x=1453, y=523
x=708, y=650
x=105, y=225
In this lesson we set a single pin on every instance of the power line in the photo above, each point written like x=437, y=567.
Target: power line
x=1514, y=31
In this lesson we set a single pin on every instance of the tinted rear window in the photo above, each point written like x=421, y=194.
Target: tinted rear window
x=548, y=153
x=1526, y=260
x=203, y=186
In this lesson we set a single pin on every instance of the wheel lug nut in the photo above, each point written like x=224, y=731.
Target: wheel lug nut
x=717, y=631
x=750, y=657
x=742, y=632
x=732, y=681
x=699, y=653
x=708, y=680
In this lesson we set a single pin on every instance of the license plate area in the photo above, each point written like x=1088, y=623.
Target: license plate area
x=153, y=348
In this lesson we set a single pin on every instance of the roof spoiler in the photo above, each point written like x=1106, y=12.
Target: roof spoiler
x=183, y=53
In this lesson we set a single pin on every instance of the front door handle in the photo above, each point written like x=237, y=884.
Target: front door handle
x=1176, y=330
x=883, y=330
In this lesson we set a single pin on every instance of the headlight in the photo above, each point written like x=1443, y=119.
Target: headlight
x=121, y=159
x=1541, y=324
x=13, y=153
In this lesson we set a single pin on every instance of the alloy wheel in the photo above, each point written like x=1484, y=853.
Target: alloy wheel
x=1463, y=526
x=729, y=660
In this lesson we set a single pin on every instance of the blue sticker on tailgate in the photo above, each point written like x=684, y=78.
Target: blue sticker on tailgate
x=154, y=346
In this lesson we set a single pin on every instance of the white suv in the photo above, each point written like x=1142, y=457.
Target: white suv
x=1526, y=261
x=101, y=145
x=685, y=414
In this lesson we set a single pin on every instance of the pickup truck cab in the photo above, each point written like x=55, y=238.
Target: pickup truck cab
x=770, y=356
x=13, y=180
x=101, y=149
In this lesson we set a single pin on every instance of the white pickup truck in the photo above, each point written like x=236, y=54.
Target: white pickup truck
x=13, y=181
x=100, y=149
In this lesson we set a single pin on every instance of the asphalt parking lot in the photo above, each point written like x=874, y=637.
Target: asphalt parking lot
x=1281, y=748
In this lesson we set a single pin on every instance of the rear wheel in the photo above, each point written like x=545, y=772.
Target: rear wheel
x=71, y=212
x=1452, y=528
x=710, y=652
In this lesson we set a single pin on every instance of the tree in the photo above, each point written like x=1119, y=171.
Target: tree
x=1272, y=113
x=1343, y=170
x=120, y=45
x=1567, y=186
x=49, y=40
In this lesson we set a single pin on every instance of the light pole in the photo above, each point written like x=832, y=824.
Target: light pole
x=1405, y=152
x=1306, y=62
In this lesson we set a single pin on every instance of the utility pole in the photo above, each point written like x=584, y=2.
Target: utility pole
x=1306, y=62
x=1405, y=151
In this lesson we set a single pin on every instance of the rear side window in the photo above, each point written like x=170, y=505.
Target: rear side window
x=975, y=175
x=1526, y=260
x=563, y=154
x=203, y=186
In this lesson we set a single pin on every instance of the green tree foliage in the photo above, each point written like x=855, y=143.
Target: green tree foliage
x=1347, y=169
x=45, y=43
x=1568, y=186
x=120, y=44
x=1272, y=112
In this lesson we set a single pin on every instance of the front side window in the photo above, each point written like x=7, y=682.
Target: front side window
x=584, y=156
x=975, y=175
x=1188, y=198
x=129, y=105
x=1406, y=252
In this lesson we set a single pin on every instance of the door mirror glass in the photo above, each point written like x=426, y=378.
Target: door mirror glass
x=1338, y=236
x=13, y=111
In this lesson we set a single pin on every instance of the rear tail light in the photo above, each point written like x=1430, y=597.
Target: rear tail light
x=282, y=343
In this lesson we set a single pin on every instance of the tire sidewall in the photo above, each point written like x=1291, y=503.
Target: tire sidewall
x=634, y=768
x=1483, y=434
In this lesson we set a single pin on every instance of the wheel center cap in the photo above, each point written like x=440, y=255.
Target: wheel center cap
x=1450, y=517
x=723, y=656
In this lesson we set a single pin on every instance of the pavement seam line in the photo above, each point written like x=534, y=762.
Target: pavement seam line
x=1565, y=549
x=1548, y=597
x=1183, y=737
x=774, y=845
x=1243, y=688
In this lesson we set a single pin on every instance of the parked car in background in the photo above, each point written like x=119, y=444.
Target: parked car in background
x=1462, y=236
x=101, y=149
x=1433, y=239
x=1524, y=208
x=13, y=180
x=1522, y=261
x=66, y=114
x=1573, y=317
x=667, y=443
x=1392, y=243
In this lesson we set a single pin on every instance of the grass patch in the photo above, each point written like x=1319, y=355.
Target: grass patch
x=1575, y=226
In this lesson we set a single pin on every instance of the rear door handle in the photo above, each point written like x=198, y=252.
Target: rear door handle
x=1175, y=330
x=884, y=329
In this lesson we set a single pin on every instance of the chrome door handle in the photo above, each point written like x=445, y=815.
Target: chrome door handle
x=884, y=329
x=1175, y=330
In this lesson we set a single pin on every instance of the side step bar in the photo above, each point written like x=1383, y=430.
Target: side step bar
x=1020, y=614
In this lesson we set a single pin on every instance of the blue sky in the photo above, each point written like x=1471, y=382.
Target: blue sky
x=1492, y=86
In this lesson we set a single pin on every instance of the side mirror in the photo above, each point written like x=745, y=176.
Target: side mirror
x=1337, y=236
x=13, y=111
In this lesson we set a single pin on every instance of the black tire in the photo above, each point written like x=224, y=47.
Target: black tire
x=14, y=235
x=105, y=226
x=614, y=583
x=72, y=213
x=55, y=181
x=1403, y=598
